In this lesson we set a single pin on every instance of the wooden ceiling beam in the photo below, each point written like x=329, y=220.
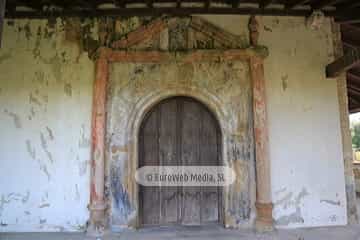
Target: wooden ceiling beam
x=145, y=11
x=293, y=3
x=354, y=90
x=348, y=17
x=354, y=110
x=354, y=98
x=120, y=3
x=354, y=103
x=207, y=4
x=350, y=43
x=265, y=3
x=324, y=3
x=2, y=17
x=149, y=3
x=350, y=6
x=235, y=3
x=355, y=71
x=344, y=63
x=352, y=78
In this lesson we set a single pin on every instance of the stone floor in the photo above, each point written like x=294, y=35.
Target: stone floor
x=202, y=233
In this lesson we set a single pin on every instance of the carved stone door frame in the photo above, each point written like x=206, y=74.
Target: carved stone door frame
x=106, y=56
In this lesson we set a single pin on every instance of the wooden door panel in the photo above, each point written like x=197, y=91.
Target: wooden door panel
x=190, y=153
x=179, y=131
x=209, y=157
x=167, y=154
x=149, y=155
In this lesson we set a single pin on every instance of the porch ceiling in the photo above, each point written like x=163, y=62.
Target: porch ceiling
x=342, y=10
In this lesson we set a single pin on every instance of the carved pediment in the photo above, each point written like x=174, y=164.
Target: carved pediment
x=179, y=33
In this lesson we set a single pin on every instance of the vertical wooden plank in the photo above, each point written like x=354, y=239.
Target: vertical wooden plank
x=2, y=18
x=191, y=196
x=150, y=196
x=209, y=157
x=167, y=157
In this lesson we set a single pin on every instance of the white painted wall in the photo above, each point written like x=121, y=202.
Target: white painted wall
x=307, y=169
x=45, y=105
x=305, y=136
x=305, y=144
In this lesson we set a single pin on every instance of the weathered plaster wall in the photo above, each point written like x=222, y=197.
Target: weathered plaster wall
x=45, y=104
x=45, y=96
x=305, y=137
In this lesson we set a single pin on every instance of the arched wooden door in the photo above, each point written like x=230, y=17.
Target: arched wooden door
x=180, y=131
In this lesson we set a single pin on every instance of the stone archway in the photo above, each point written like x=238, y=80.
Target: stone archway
x=132, y=126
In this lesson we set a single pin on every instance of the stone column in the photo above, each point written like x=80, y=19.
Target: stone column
x=97, y=205
x=264, y=220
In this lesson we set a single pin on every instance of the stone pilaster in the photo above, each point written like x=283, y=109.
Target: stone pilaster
x=97, y=205
x=264, y=206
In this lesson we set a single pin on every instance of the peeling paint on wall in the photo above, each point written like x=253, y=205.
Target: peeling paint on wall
x=5, y=56
x=30, y=149
x=44, y=146
x=14, y=117
x=84, y=141
x=68, y=89
x=39, y=59
x=292, y=202
x=50, y=133
x=44, y=205
x=34, y=62
x=284, y=82
x=331, y=202
x=11, y=197
x=295, y=217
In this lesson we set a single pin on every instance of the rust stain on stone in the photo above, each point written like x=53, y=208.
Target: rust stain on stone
x=115, y=149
